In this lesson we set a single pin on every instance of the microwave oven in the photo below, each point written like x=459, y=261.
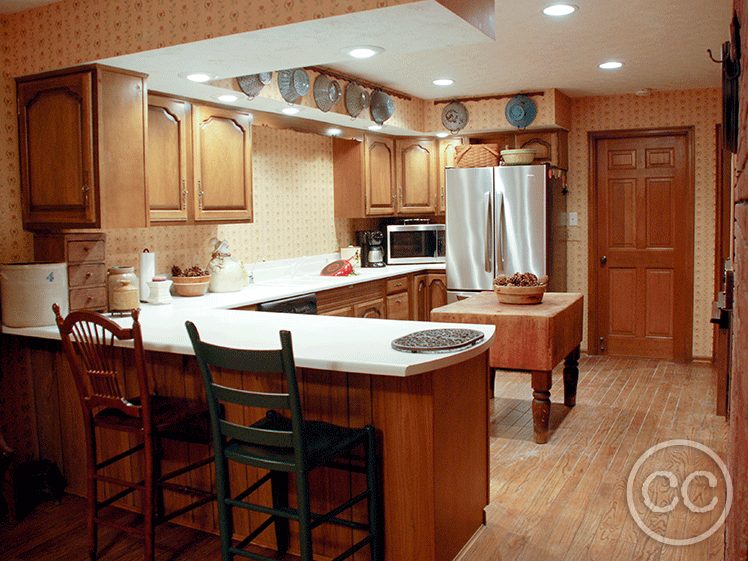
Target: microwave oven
x=415, y=243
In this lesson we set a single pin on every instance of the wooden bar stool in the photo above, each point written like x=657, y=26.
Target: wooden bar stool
x=282, y=445
x=88, y=340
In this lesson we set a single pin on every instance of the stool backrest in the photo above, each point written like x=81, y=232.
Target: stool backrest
x=88, y=341
x=256, y=361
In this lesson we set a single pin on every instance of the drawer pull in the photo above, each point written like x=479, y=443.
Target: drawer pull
x=89, y=274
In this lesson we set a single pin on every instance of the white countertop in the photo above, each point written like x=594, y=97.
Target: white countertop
x=321, y=342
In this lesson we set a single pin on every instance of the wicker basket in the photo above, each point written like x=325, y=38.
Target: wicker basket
x=477, y=155
x=520, y=294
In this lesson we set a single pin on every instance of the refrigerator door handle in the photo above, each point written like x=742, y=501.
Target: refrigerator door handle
x=488, y=259
x=499, y=240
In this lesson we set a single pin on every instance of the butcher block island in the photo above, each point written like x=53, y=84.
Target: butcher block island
x=430, y=411
x=534, y=337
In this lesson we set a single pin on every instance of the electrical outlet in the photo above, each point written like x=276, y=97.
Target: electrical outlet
x=572, y=218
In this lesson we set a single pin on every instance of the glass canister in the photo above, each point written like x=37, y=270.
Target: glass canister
x=115, y=276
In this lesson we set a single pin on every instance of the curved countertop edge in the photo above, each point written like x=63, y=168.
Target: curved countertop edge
x=355, y=347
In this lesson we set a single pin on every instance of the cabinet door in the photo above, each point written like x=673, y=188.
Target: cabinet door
x=168, y=128
x=222, y=160
x=346, y=312
x=420, y=294
x=379, y=175
x=56, y=149
x=437, y=292
x=416, y=176
x=447, y=154
x=370, y=309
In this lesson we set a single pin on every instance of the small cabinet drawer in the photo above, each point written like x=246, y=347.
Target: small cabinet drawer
x=86, y=275
x=398, y=284
x=86, y=250
x=398, y=306
x=88, y=299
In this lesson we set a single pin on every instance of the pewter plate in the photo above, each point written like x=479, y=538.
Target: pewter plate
x=437, y=340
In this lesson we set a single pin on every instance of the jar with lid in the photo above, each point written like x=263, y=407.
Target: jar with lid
x=115, y=276
x=125, y=297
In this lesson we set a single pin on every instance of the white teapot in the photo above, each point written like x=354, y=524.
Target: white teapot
x=226, y=273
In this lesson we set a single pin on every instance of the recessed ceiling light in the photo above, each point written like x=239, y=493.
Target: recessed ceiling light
x=334, y=132
x=644, y=92
x=443, y=82
x=612, y=65
x=560, y=10
x=363, y=51
x=375, y=127
x=442, y=134
x=227, y=98
x=290, y=110
x=198, y=76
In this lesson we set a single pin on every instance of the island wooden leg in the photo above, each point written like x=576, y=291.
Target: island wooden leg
x=541, y=404
x=571, y=375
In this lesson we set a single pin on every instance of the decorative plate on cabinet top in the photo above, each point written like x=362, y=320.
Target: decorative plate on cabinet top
x=520, y=111
x=455, y=116
x=293, y=84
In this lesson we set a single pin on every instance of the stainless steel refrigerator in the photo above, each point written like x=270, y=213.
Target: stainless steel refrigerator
x=498, y=221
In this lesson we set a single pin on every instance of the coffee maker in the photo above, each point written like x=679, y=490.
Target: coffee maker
x=372, y=247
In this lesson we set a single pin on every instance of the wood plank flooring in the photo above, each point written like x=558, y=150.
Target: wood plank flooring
x=565, y=500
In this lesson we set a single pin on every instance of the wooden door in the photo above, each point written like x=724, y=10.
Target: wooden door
x=416, y=176
x=641, y=246
x=222, y=160
x=56, y=149
x=168, y=128
x=379, y=175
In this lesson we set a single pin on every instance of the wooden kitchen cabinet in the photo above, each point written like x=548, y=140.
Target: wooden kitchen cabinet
x=551, y=146
x=169, y=143
x=373, y=309
x=222, y=164
x=416, y=167
x=85, y=255
x=447, y=151
x=398, y=298
x=430, y=291
x=355, y=300
x=364, y=177
x=82, y=145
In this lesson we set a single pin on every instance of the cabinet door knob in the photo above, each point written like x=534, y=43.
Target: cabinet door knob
x=603, y=260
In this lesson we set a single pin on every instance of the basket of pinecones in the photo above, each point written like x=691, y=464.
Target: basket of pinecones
x=520, y=288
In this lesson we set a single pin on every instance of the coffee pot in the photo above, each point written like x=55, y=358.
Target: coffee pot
x=375, y=253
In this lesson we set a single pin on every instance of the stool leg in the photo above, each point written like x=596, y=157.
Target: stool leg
x=371, y=483
x=223, y=491
x=92, y=489
x=150, y=501
x=305, y=533
x=279, y=484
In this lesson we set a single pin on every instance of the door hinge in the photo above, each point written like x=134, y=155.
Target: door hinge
x=602, y=344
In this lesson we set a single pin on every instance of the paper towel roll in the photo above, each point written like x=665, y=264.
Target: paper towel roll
x=147, y=272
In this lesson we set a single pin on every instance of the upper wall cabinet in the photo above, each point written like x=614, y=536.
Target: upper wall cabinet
x=82, y=148
x=364, y=177
x=416, y=166
x=550, y=147
x=222, y=164
x=200, y=162
x=447, y=154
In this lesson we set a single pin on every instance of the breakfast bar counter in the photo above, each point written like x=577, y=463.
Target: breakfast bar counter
x=434, y=484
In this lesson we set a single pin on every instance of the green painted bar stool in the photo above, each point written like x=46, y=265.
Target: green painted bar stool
x=282, y=445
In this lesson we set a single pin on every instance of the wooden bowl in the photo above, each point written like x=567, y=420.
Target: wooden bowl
x=520, y=294
x=191, y=286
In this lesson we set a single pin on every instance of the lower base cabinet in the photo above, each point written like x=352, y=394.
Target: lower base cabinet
x=430, y=291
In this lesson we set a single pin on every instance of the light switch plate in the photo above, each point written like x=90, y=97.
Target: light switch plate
x=572, y=219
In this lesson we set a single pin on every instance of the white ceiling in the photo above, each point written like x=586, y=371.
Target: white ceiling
x=662, y=43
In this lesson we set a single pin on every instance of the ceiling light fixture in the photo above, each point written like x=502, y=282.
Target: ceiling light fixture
x=611, y=65
x=644, y=92
x=363, y=51
x=375, y=127
x=227, y=98
x=442, y=134
x=198, y=76
x=334, y=132
x=443, y=82
x=290, y=110
x=560, y=10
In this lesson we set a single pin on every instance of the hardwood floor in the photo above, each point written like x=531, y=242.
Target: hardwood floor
x=565, y=500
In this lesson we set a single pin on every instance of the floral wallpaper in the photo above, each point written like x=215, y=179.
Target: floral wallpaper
x=701, y=109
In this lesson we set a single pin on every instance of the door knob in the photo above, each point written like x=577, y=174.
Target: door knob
x=603, y=260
